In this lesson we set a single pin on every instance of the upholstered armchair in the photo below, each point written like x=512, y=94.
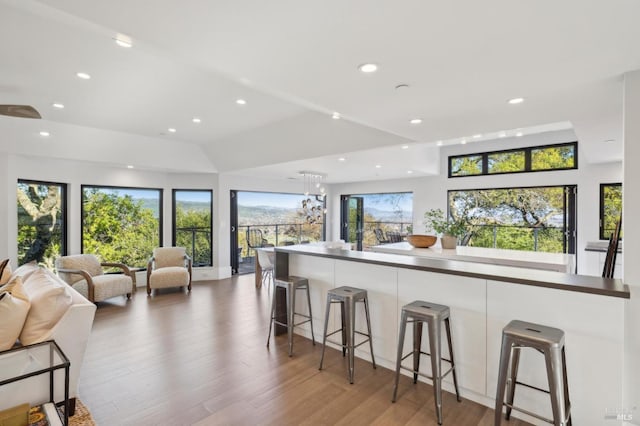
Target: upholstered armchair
x=84, y=273
x=169, y=267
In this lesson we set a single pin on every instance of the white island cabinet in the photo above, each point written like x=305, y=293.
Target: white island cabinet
x=483, y=299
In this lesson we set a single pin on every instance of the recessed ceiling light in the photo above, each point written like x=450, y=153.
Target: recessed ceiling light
x=171, y=130
x=416, y=121
x=439, y=143
x=336, y=116
x=368, y=68
x=196, y=120
x=518, y=134
x=410, y=171
x=45, y=134
x=478, y=136
x=516, y=101
x=57, y=105
x=463, y=141
x=123, y=41
x=378, y=166
x=342, y=159
x=83, y=75
x=129, y=166
x=405, y=146
x=241, y=102
x=502, y=135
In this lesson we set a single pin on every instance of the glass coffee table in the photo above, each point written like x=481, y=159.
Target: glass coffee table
x=24, y=362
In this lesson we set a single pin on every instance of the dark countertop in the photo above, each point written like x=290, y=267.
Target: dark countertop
x=549, y=279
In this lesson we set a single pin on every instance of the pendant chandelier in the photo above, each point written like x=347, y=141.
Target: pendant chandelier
x=313, y=205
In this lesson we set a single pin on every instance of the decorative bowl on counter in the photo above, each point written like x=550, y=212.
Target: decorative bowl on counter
x=422, y=241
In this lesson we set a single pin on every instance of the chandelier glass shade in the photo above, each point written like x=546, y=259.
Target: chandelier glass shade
x=313, y=206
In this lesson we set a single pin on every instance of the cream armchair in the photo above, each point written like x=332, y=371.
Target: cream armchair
x=84, y=273
x=169, y=267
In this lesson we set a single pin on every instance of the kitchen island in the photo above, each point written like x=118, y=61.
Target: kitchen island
x=483, y=298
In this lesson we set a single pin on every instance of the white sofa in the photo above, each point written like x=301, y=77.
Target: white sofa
x=71, y=332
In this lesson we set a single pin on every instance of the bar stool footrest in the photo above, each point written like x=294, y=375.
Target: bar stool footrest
x=424, y=375
x=532, y=387
x=345, y=346
x=537, y=416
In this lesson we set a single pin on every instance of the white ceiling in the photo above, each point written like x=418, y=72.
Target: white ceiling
x=295, y=62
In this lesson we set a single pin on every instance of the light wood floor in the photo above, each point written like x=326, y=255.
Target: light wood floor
x=200, y=358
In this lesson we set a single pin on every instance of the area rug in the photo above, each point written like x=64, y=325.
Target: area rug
x=82, y=416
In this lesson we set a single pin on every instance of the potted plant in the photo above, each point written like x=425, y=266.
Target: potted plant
x=449, y=230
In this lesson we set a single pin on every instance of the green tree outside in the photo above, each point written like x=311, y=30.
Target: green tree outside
x=193, y=231
x=40, y=227
x=117, y=228
x=612, y=205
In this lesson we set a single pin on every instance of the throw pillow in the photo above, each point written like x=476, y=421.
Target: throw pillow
x=5, y=271
x=14, y=306
x=50, y=298
x=24, y=271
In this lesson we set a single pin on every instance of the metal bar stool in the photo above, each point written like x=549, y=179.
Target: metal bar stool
x=548, y=341
x=347, y=297
x=290, y=285
x=419, y=312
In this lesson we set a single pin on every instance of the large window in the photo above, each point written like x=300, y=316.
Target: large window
x=192, y=215
x=42, y=221
x=277, y=218
x=533, y=218
x=610, y=208
x=121, y=224
x=529, y=159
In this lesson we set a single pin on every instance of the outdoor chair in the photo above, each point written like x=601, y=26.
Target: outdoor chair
x=84, y=273
x=169, y=267
x=394, y=237
x=255, y=239
x=380, y=236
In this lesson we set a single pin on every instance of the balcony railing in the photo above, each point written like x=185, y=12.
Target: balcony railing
x=549, y=239
x=279, y=234
x=197, y=241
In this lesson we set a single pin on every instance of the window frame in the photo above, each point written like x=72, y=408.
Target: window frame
x=63, y=202
x=527, y=160
x=173, y=219
x=160, y=212
x=601, y=229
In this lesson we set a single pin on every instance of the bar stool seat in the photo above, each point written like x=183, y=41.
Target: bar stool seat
x=419, y=312
x=290, y=284
x=347, y=297
x=516, y=336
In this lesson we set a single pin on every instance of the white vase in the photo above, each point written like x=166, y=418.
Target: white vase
x=448, y=241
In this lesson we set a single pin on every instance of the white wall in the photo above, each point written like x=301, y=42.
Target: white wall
x=5, y=203
x=431, y=192
x=631, y=210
